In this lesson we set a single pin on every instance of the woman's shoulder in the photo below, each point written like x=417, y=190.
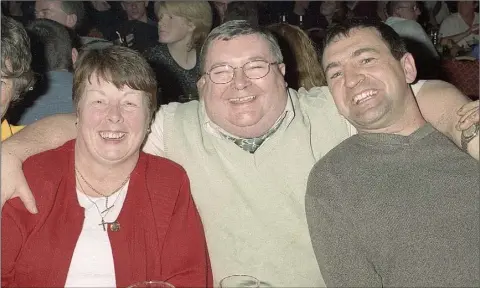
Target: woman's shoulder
x=158, y=165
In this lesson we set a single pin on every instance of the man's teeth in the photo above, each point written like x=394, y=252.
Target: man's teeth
x=112, y=135
x=242, y=99
x=364, y=95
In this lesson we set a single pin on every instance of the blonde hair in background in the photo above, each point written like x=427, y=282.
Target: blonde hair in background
x=296, y=44
x=197, y=12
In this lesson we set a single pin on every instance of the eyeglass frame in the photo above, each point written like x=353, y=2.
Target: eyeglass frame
x=234, y=68
x=414, y=8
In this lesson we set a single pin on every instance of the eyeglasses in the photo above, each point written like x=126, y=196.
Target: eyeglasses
x=414, y=8
x=256, y=69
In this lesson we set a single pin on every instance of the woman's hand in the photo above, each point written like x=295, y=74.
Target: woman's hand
x=470, y=115
x=14, y=183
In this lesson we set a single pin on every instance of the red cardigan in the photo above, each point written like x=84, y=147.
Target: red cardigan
x=160, y=238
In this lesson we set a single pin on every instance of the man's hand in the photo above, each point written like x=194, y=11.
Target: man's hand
x=14, y=183
x=474, y=29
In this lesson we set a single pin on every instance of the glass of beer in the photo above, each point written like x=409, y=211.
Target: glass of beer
x=156, y=284
x=234, y=281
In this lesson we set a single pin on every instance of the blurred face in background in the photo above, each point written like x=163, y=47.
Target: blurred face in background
x=136, y=10
x=173, y=28
x=50, y=9
x=408, y=10
x=328, y=8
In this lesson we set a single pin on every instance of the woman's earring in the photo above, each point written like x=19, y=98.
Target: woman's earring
x=148, y=130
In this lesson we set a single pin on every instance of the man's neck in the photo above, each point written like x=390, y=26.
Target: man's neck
x=403, y=120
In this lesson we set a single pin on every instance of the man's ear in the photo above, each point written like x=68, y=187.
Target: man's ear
x=201, y=83
x=409, y=68
x=71, y=20
x=74, y=55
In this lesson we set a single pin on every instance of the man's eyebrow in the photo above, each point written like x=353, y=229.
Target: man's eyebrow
x=356, y=53
x=364, y=50
x=331, y=65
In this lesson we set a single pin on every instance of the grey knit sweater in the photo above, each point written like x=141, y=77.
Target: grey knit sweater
x=396, y=211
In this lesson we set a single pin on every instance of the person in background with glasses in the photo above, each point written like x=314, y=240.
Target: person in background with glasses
x=17, y=75
x=402, y=18
x=247, y=145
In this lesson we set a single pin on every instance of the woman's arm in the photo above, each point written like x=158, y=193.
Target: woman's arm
x=45, y=134
x=439, y=103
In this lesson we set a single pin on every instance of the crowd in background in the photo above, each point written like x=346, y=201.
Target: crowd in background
x=170, y=36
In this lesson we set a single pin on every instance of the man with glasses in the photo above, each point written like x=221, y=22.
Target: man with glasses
x=248, y=146
x=402, y=18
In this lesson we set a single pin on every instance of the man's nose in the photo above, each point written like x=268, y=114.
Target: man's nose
x=240, y=79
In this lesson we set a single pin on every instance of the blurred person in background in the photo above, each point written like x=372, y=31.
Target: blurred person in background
x=16, y=74
x=300, y=57
x=461, y=27
x=54, y=50
x=402, y=18
x=182, y=28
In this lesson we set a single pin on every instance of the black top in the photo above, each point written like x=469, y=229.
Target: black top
x=175, y=84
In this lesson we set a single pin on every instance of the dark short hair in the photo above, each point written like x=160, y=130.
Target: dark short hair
x=235, y=28
x=242, y=10
x=52, y=45
x=16, y=57
x=397, y=45
x=118, y=65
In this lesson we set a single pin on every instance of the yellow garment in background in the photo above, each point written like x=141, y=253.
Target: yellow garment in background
x=8, y=130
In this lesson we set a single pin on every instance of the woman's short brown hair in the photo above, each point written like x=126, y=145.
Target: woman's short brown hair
x=118, y=65
x=197, y=12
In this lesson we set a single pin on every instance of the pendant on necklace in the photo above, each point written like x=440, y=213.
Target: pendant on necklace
x=115, y=226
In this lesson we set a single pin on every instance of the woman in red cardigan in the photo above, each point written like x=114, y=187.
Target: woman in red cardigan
x=109, y=215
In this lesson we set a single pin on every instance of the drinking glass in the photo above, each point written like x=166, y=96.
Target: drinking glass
x=243, y=281
x=157, y=284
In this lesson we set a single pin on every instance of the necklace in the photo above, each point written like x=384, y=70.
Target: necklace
x=105, y=212
x=100, y=193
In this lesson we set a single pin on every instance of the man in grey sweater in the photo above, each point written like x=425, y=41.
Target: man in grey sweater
x=397, y=204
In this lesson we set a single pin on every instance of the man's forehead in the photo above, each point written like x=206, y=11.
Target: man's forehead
x=242, y=46
x=48, y=4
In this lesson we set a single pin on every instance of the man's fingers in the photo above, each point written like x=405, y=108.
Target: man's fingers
x=467, y=107
x=471, y=117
